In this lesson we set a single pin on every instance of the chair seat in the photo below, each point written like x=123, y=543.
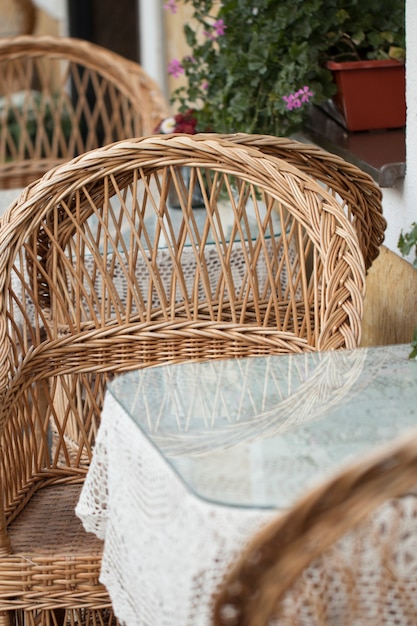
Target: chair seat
x=51, y=549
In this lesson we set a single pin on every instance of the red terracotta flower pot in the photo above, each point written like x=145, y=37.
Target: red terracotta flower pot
x=371, y=94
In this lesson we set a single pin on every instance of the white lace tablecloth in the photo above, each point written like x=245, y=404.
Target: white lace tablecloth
x=166, y=549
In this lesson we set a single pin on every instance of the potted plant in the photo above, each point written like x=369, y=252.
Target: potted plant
x=253, y=67
x=366, y=55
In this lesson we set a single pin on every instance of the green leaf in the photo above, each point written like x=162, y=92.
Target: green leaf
x=413, y=353
x=397, y=53
x=407, y=241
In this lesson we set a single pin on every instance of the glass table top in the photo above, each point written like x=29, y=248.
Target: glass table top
x=256, y=432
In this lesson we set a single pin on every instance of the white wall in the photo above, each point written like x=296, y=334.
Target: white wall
x=152, y=41
x=56, y=8
x=400, y=202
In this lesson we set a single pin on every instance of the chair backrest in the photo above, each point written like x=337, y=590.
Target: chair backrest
x=99, y=275
x=17, y=17
x=343, y=555
x=359, y=196
x=60, y=97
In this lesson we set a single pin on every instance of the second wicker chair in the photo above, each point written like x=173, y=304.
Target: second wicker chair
x=62, y=96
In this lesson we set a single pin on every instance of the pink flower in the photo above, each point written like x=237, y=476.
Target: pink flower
x=305, y=94
x=219, y=27
x=171, y=5
x=204, y=85
x=298, y=98
x=175, y=68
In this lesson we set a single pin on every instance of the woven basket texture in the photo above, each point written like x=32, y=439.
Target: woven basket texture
x=355, y=190
x=99, y=276
x=17, y=17
x=367, y=506
x=63, y=96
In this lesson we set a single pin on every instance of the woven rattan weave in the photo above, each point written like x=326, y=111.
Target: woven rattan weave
x=359, y=195
x=63, y=96
x=99, y=276
x=17, y=17
x=371, y=508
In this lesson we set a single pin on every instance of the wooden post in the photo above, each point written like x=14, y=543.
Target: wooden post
x=390, y=312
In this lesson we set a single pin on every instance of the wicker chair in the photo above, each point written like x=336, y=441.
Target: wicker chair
x=98, y=277
x=344, y=554
x=61, y=97
x=17, y=17
x=360, y=197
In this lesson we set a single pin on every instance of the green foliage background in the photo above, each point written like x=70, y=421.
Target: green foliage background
x=272, y=48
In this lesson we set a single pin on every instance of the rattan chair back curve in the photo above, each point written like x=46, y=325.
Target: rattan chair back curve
x=359, y=195
x=313, y=308
x=62, y=96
